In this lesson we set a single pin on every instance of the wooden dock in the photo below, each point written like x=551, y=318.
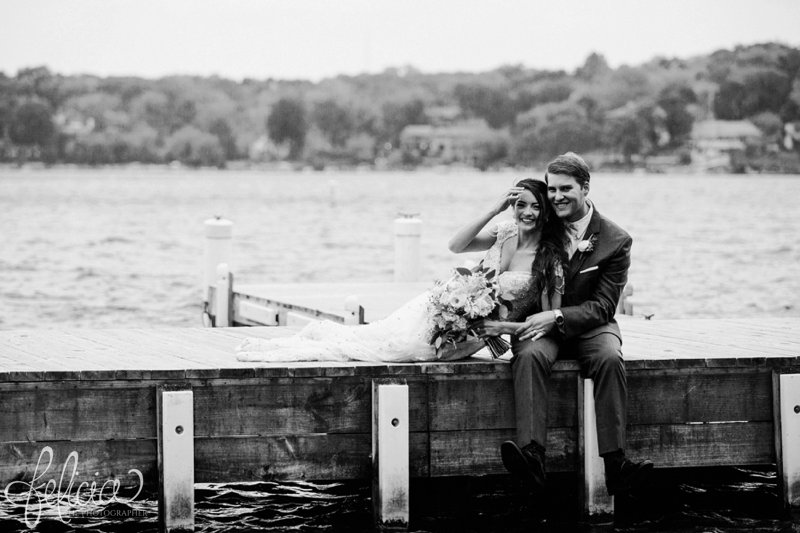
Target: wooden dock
x=702, y=393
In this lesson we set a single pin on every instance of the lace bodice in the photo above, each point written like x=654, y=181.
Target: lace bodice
x=513, y=284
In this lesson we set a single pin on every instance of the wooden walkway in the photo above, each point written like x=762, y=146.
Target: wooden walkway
x=701, y=393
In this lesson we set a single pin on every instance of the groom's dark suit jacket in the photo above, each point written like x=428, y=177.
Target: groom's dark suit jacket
x=595, y=279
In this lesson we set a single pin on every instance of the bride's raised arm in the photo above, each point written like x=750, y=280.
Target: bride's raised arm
x=473, y=237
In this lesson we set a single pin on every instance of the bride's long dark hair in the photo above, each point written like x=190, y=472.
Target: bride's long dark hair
x=553, y=243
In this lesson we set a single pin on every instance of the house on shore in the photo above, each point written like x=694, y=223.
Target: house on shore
x=470, y=142
x=720, y=145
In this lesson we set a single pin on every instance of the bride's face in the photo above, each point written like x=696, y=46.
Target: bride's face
x=527, y=211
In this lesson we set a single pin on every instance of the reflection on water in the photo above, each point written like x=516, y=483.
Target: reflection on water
x=678, y=501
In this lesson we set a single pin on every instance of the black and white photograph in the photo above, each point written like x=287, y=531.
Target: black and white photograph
x=425, y=266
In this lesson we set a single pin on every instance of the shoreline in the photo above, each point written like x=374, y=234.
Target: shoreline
x=284, y=167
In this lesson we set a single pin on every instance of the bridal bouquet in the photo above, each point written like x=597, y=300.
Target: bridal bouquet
x=456, y=303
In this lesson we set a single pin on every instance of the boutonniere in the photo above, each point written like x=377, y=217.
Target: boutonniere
x=586, y=246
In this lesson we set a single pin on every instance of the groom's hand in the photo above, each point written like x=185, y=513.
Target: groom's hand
x=536, y=326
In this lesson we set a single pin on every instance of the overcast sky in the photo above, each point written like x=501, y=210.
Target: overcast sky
x=314, y=39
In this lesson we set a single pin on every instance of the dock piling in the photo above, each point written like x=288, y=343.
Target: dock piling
x=390, y=454
x=224, y=296
x=218, y=249
x=407, y=236
x=595, y=500
x=175, y=459
x=786, y=395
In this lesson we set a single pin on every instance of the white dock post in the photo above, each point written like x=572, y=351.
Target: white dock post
x=786, y=399
x=218, y=249
x=223, y=317
x=407, y=236
x=353, y=312
x=596, y=501
x=175, y=459
x=390, y=454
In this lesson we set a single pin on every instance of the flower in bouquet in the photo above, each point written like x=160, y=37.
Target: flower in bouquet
x=467, y=296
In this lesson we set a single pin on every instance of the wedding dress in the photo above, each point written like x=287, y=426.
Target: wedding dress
x=400, y=337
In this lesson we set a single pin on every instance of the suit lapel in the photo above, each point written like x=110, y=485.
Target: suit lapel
x=578, y=258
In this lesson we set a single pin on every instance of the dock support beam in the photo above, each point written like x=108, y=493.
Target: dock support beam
x=175, y=459
x=786, y=399
x=390, y=455
x=595, y=499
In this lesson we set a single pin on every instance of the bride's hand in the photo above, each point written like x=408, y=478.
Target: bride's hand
x=507, y=200
x=489, y=328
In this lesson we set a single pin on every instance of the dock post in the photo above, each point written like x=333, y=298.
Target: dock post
x=786, y=411
x=407, y=236
x=223, y=315
x=218, y=246
x=175, y=459
x=595, y=500
x=390, y=455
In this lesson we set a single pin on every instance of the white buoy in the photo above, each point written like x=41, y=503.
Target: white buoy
x=218, y=249
x=407, y=237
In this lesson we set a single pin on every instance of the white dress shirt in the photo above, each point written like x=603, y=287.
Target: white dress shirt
x=577, y=230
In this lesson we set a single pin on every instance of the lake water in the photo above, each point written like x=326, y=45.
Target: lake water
x=124, y=248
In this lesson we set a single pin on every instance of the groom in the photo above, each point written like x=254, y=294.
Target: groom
x=584, y=329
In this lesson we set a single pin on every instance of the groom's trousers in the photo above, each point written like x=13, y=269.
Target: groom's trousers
x=599, y=357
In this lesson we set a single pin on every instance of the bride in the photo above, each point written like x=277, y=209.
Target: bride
x=527, y=253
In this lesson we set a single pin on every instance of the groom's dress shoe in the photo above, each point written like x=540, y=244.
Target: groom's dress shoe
x=628, y=476
x=527, y=463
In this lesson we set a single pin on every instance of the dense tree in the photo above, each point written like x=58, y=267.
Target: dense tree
x=593, y=68
x=675, y=101
x=193, y=147
x=287, y=124
x=222, y=131
x=397, y=116
x=32, y=124
x=752, y=92
x=333, y=121
x=495, y=106
x=628, y=110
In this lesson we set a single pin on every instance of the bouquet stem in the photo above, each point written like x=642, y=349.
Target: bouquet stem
x=497, y=346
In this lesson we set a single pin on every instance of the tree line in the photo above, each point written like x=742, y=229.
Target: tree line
x=629, y=111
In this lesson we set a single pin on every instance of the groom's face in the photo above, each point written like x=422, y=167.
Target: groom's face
x=567, y=196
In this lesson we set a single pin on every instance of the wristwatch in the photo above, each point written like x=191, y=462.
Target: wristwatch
x=559, y=318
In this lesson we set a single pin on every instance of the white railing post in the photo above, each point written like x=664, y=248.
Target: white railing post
x=175, y=430
x=407, y=237
x=596, y=501
x=218, y=249
x=353, y=312
x=390, y=454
